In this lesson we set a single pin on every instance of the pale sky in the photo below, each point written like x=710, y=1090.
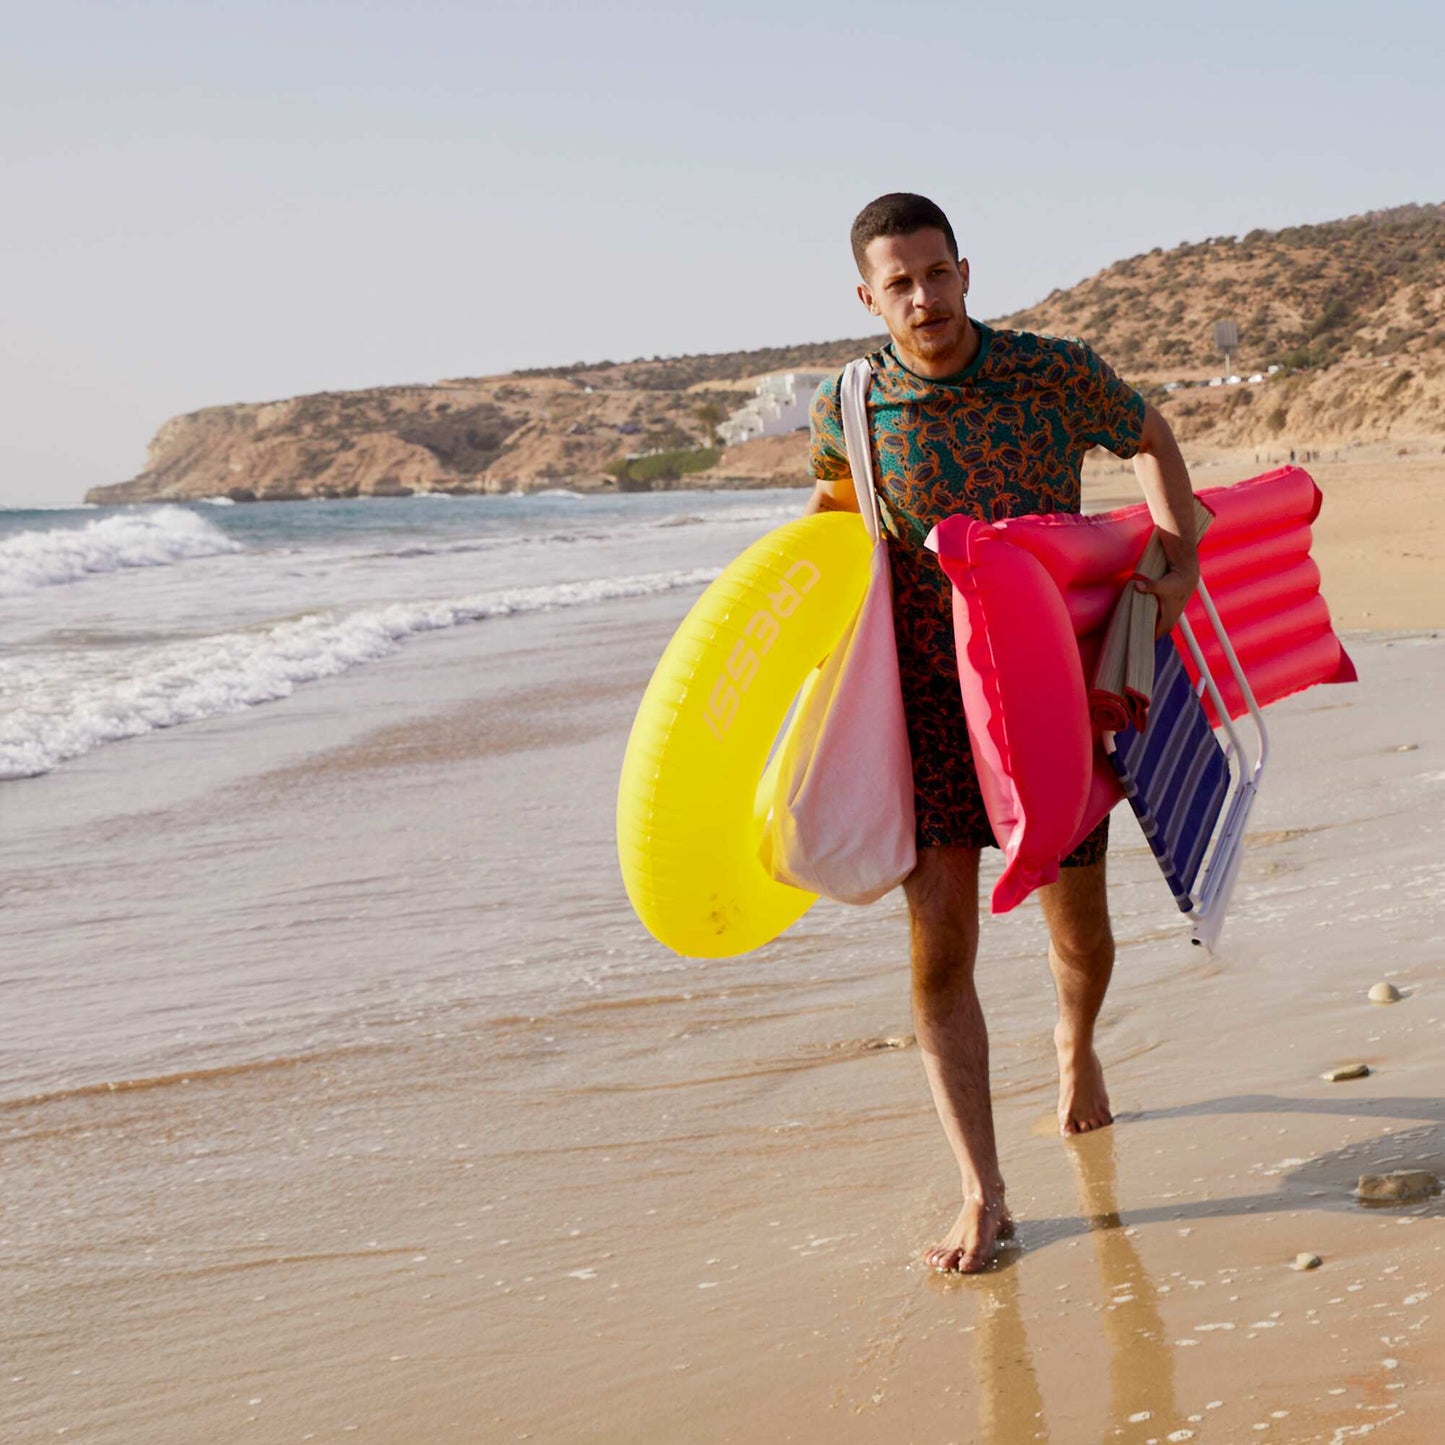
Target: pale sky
x=216, y=202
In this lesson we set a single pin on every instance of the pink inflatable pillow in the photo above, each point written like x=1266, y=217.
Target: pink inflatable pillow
x=1025, y=701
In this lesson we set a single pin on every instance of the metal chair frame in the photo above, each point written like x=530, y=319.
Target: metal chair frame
x=1209, y=900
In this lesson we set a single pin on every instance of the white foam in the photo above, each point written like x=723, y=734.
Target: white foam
x=29, y=560
x=186, y=681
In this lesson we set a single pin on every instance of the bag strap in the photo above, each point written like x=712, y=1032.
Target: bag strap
x=857, y=438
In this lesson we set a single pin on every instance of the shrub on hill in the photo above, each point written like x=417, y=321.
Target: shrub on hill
x=662, y=466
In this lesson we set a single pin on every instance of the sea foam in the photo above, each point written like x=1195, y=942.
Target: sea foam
x=226, y=673
x=59, y=555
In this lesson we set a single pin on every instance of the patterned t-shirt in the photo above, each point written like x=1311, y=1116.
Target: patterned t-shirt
x=1003, y=438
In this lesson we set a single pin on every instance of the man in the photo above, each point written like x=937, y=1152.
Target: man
x=994, y=423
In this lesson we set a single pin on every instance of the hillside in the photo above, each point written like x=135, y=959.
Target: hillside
x=1352, y=313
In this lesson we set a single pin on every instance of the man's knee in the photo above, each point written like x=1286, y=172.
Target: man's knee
x=1087, y=949
x=942, y=893
x=1076, y=909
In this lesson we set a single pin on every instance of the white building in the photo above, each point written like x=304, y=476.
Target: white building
x=780, y=406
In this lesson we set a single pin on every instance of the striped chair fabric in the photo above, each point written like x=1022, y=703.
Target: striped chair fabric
x=1174, y=774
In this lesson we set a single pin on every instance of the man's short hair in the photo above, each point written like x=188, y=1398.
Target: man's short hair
x=899, y=213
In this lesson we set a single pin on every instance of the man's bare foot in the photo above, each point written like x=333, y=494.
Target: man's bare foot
x=1083, y=1099
x=973, y=1241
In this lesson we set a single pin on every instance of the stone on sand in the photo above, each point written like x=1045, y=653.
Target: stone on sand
x=1385, y=993
x=1346, y=1071
x=1398, y=1187
x=1305, y=1260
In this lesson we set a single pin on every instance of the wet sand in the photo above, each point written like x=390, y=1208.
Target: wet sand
x=663, y=1200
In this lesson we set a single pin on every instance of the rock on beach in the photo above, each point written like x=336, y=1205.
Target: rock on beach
x=1345, y=1071
x=1401, y=1186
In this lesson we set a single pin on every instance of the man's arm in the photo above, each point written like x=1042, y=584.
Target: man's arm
x=838, y=495
x=833, y=489
x=1160, y=468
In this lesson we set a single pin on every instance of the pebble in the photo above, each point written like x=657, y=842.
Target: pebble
x=1397, y=1187
x=1346, y=1071
x=1306, y=1260
x=1385, y=993
x=1407, y=747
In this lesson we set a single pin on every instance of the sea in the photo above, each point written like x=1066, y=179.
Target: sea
x=161, y=667
x=119, y=622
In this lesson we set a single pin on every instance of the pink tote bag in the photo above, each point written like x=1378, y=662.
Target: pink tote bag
x=842, y=820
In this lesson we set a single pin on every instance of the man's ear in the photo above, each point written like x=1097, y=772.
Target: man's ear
x=866, y=297
x=963, y=271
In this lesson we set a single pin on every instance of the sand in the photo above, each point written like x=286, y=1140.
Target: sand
x=672, y=1201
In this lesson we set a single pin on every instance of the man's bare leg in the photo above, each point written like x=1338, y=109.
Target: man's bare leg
x=942, y=894
x=1081, y=955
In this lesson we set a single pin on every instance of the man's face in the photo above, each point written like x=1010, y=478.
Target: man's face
x=917, y=287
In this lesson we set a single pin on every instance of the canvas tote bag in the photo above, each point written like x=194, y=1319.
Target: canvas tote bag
x=842, y=822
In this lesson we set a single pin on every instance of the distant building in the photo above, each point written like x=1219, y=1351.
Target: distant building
x=780, y=406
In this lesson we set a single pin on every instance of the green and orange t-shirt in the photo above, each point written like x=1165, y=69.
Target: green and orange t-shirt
x=1003, y=438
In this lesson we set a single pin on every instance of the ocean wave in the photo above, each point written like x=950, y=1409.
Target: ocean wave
x=597, y=532
x=496, y=544
x=778, y=513
x=50, y=507
x=29, y=560
x=187, y=681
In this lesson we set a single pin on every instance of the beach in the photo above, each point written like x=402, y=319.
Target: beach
x=344, y=1097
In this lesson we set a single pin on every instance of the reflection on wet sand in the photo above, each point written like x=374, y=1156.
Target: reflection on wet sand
x=1141, y=1366
x=1011, y=1407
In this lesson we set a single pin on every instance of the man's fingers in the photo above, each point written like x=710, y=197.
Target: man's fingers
x=1173, y=592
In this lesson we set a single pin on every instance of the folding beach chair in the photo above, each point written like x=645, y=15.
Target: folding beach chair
x=1177, y=778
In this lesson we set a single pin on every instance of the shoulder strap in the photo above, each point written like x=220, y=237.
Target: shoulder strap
x=858, y=438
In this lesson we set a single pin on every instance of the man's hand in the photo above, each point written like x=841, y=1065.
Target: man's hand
x=1173, y=589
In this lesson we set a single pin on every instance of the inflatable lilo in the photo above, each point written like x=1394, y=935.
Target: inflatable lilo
x=692, y=801
x=1032, y=596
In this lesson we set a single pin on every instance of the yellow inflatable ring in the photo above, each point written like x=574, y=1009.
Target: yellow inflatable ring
x=688, y=806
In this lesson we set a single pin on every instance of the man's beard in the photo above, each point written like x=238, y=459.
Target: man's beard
x=937, y=341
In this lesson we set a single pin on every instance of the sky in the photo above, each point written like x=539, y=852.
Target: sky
x=216, y=202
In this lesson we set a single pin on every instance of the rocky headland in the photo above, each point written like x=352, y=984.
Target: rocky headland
x=1350, y=314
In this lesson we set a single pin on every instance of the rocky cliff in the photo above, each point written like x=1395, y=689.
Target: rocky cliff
x=1351, y=312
